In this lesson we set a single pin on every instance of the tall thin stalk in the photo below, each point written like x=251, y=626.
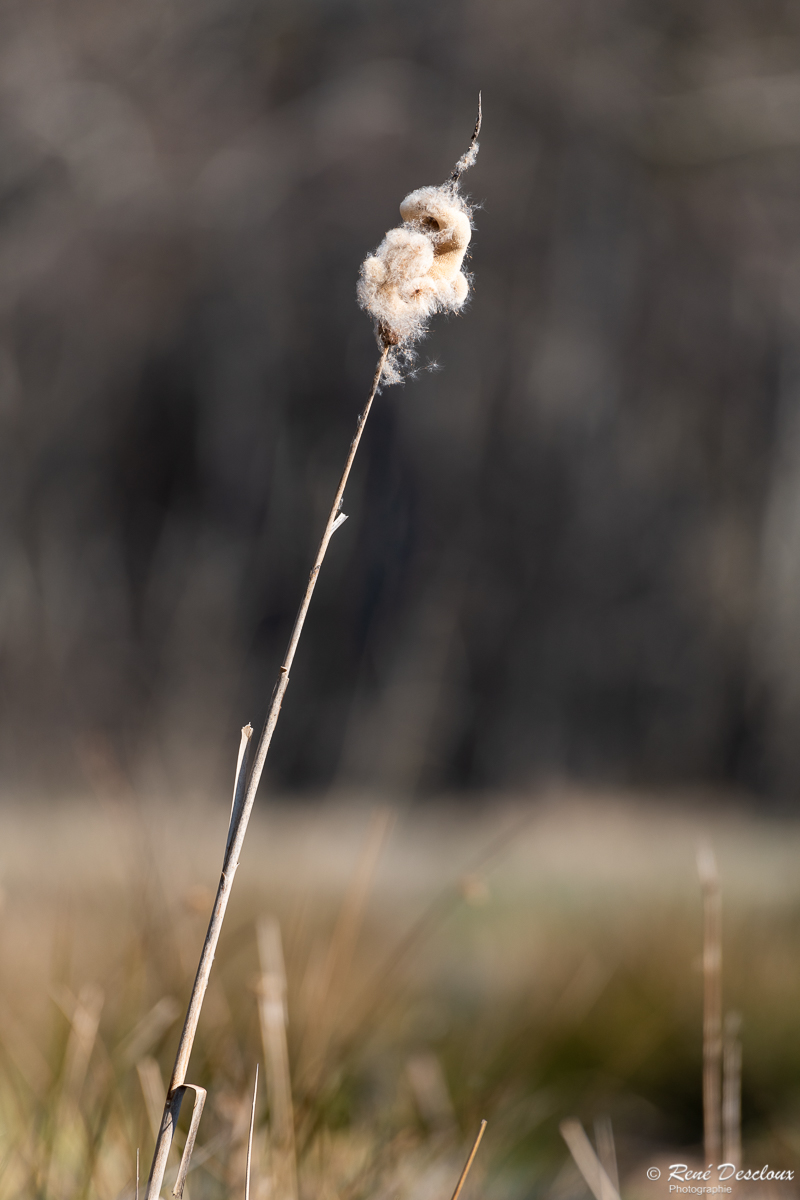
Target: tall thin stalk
x=732, y=1090
x=587, y=1162
x=462, y=1179
x=607, y=1150
x=273, y=1017
x=244, y=795
x=250, y=1139
x=712, y=1004
x=435, y=234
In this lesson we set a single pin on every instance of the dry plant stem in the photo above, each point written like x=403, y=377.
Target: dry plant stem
x=606, y=1149
x=197, y=1112
x=250, y=1139
x=587, y=1161
x=84, y=1021
x=244, y=797
x=732, y=1091
x=463, y=1177
x=712, y=1005
x=274, y=1018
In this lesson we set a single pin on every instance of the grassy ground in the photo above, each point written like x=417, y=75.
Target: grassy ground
x=428, y=986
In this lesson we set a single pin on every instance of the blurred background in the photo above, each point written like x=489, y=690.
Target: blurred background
x=572, y=551
x=570, y=574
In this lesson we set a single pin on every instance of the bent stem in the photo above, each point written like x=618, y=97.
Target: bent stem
x=243, y=797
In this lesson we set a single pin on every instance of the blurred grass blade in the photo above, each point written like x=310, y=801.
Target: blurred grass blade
x=85, y=1023
x=250, y=1140
x=606, y=1149
x=24, y=1053
x=147, y=1031
x=273, y=1016
x=69, y=1133
x=343, y=942
x=153, y=1091
x=732, y=1091
x=587, y=1161
x=430, y=1091
x=712, y=1003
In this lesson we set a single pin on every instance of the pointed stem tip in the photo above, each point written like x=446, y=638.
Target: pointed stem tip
x=467, y=159
x=463, y=1178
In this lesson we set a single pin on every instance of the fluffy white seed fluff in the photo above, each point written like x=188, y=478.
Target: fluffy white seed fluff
x=416, y=270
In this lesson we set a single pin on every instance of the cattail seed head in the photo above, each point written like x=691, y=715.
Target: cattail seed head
x=416, y=271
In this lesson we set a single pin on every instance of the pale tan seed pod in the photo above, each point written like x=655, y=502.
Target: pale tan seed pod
x=445, y=217
x=417, y=270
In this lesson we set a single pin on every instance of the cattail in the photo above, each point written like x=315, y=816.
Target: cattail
x=416, y=271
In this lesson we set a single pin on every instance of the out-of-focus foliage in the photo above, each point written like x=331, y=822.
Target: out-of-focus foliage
x=574, y=549
x=563, y=980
